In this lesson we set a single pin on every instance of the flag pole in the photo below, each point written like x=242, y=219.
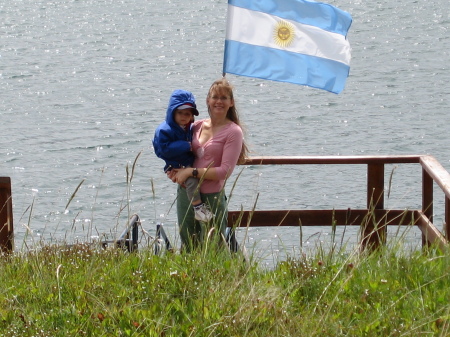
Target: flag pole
x=226, y=29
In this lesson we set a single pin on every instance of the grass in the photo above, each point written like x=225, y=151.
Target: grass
x=85, y=291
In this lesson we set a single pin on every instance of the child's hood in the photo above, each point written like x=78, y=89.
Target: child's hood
x=178, y=98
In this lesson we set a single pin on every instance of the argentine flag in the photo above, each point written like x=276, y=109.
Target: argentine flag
x=297, y=41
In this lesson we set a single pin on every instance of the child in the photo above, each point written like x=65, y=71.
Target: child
x=172, y=142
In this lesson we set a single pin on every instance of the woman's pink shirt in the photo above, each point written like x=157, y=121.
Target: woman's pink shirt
x=222, y=151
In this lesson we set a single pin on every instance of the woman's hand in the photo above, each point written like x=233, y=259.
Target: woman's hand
x=181, y=175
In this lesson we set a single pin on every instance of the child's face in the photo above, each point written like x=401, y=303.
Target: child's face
x=183, y=117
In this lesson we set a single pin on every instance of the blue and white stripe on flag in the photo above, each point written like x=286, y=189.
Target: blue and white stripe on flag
x=297, y=41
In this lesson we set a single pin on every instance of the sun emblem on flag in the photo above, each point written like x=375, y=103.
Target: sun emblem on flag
x=284, y=33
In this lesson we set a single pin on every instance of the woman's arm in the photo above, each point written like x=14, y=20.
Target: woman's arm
x=181, y=175
x=230, y=155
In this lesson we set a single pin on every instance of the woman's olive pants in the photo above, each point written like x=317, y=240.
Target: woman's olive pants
x=194, y=233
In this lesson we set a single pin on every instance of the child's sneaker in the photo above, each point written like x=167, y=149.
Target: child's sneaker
x=202, y=213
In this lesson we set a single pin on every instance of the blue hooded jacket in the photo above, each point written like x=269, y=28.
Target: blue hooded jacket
x=171, y=142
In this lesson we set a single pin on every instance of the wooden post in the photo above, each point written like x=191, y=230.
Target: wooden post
x=427, y=201
x=6, y=216
x=442, y=178
x=374, y=230
x=447, y=219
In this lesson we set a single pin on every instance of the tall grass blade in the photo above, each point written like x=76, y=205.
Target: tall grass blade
x=134, y=165
x=74, y=193
x=390, y=180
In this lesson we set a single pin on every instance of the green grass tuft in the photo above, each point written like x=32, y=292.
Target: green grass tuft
x=84, y=291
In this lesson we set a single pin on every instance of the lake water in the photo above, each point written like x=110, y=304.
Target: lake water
x=83, y=85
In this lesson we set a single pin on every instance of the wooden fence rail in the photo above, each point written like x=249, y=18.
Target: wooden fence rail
x=375, y=218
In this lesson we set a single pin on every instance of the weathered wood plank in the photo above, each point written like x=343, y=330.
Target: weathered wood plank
x=437, y=172
x=340, y=217
x=373, y=234
x=298, y=160
x=430, y=232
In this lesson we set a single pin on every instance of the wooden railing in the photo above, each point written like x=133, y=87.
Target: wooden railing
x=374, y=219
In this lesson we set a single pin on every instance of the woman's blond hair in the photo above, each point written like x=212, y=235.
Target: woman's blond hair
x=222, y=86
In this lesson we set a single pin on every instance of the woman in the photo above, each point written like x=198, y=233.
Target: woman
x=218, y=145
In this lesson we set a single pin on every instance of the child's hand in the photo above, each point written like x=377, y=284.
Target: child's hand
x=172, y=175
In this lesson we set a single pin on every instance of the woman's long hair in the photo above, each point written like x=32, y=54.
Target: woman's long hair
x=222, y=86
